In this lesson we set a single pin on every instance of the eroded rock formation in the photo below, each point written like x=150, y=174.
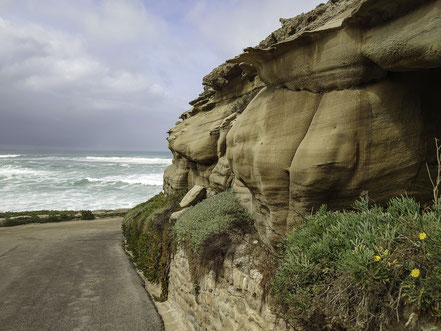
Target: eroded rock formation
x=343, y=99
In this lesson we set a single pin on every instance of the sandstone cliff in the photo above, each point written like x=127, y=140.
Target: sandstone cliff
x=343, y=99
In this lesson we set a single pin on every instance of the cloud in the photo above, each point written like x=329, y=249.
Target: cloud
x=229, y=26
x=53, y=91
x=116, y=73
x=106, y=22
x=39, y=59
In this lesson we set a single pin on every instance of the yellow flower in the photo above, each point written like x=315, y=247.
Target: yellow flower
x=377, y=258
x=423, y=235
x=415, y=273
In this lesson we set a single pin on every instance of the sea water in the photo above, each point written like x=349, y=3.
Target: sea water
x=80, y=180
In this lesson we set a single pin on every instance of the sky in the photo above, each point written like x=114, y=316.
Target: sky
x=116, y=74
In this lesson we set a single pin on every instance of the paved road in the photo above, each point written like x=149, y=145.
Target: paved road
x=70, y=276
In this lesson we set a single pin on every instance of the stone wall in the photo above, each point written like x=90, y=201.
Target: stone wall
x=233, y=302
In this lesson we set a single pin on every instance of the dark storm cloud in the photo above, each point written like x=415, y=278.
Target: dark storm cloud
x=115, y=74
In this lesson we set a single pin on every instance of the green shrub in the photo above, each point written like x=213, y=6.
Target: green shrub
x=87, y=215
x=147, y=229
x=212, y=216
x=20, y=221
x=28, y=217
x=209, y=230
x=357, y=268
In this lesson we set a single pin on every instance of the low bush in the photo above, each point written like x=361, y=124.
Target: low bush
x=208, y=230
x=41, y=216
x=36, y=213
x=147, y=229
x=212, y=216
x=87, y=215
x=357, y=269
x=20, y=221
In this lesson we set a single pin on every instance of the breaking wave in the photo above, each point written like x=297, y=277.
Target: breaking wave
x=8, y=172
x=126, y=160
x=4, y=156
x=84, y=180
x=150, y=179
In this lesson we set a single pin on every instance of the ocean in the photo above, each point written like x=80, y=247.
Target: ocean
x=79, y=180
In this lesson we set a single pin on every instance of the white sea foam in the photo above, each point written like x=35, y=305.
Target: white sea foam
x=5, y=156
x=125, y=160
x=8, y=172
x=58, y=181
x=149, y=179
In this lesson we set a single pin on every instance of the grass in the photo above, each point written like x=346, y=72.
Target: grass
x=357, y=269
x=147, y=229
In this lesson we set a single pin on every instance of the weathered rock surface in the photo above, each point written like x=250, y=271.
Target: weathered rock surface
x=177, y=214
x=196, y=194
x=338, y=101
x=234, y=301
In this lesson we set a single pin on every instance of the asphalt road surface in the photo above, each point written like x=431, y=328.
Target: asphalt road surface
x=70, y=276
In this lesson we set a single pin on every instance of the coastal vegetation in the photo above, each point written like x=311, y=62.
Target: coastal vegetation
x=87, y=215
x=148, y=232
x=211, y=217
x=353, y=269
x=359, y=268
x=40, y=216
x=208, y=230
x=48, y=216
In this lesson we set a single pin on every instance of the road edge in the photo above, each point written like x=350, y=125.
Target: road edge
x=171, y=321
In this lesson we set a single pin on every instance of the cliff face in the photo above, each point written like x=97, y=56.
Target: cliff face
x=340, y=100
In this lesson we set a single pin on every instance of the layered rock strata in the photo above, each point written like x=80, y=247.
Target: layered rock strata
x=340, y=100
x=234, y=301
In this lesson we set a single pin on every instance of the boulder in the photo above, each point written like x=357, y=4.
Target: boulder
x=196, y=194
x=177, y=214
